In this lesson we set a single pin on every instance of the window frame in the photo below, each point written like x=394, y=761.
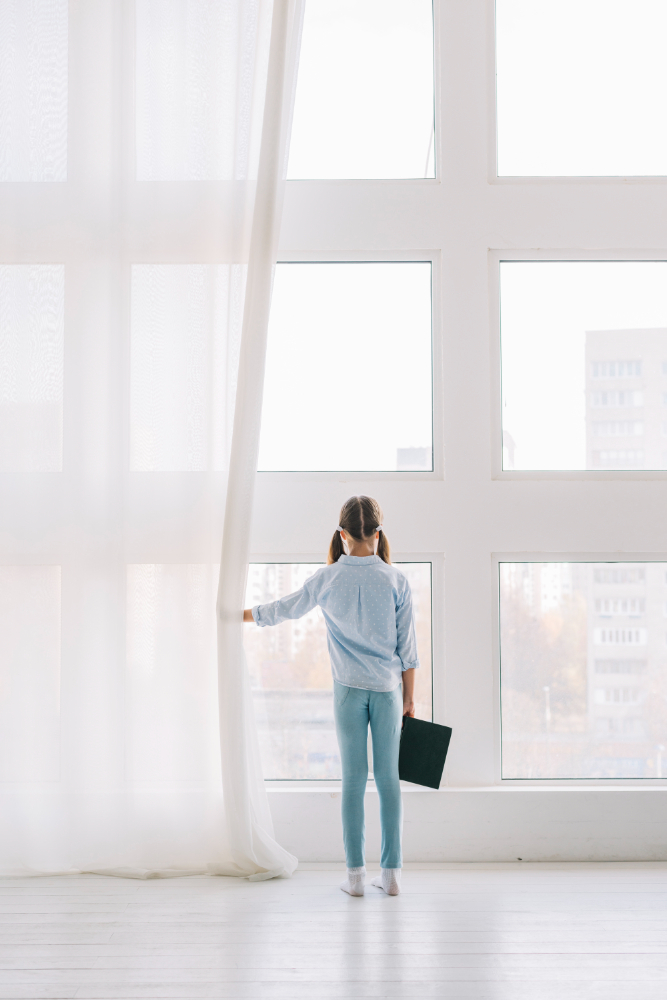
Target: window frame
x=432, y=257
x=492, y=133
x=556, y=557
x=437, y=643
x=472, y=219
x=495, y=259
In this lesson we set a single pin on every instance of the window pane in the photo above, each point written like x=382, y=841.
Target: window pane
x=584, y=670
x=187, y=58
x=348, y=370
x=30, y=673
x=364, y=100
x=186, y=326
x=32, y=317
x=171, y=700
x=33, y=90
x=584, y=364
x=582, y=87
x=291, y=674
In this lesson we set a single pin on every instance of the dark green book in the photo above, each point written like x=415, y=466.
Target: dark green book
x=424, y=745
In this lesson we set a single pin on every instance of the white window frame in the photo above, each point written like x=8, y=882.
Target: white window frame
x=492, y=133
x=437, y=642
x=496, y=258
x=432, y=257
x=558, y=557
x=469, y=510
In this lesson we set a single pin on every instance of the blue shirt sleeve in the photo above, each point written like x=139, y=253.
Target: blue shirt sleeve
x=295, y=605
x=406, y=638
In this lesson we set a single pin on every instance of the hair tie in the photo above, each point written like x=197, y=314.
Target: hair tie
x=379, y=528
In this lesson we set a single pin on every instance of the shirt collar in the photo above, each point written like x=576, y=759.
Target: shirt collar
x=359, y=560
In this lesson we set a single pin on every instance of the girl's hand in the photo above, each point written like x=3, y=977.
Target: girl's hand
x=247, y=615
x=408, y=692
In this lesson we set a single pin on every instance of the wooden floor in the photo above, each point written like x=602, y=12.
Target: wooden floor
x=505, y=931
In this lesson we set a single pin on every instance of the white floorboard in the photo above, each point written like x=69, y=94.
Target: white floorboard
x=494, y=931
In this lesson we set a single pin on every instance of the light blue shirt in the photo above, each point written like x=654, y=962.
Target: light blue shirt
x=367, y=607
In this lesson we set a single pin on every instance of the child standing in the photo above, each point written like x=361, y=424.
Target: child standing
x=367, y=608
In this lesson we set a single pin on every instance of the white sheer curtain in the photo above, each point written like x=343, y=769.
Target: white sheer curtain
x=142, y=151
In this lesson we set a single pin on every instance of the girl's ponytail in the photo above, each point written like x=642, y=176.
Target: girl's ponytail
x=336, y=549
x=360, y=517
x=384, y=550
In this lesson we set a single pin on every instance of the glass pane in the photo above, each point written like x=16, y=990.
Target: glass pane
x=32, y=320
x=582, y=87
x=171, y=691
x=186, y=327
x=364, y=99
x=348, y=369
x=291, y=674
x=584, y=364
x=33, y=90
x=195, y=60
x=584, y=670
x=30, y=673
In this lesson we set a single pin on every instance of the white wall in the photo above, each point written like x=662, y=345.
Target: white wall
x=468, y=511
x=487, y=824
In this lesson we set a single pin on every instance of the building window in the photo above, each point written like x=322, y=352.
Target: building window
x=618, y=398
x=631, y=606
x=617, y=695
x=291, y=674
x=624, y=459
x=618, y=428
x=342, y=390
x=619, y=636
x=620, y=666
x=559, y=711
x=618, y=574
x=616, y=369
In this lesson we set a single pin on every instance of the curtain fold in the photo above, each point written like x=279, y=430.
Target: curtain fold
x=254, y=848
x=139, y=216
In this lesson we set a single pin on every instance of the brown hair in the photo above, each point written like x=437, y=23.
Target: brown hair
x=360, y=517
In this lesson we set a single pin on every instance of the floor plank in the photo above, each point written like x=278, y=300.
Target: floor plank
x=475, y=932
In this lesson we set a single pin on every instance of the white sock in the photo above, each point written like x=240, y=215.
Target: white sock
x=389, y=880
x=354, y=883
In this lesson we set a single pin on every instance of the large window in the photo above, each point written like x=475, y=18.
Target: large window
x=582, y=87
x=291, y=674
x=584, y=356
x=364, y=100
x=384, y=375
x=32, y=320
x=30, y=605
x=33, y=91
x=583, y=669
x=348, y=370
x=183, y=330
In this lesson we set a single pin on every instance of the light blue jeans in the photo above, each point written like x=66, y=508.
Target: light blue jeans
x=354, y=709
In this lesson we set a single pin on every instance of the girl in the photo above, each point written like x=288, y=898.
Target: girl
x=367, y=607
